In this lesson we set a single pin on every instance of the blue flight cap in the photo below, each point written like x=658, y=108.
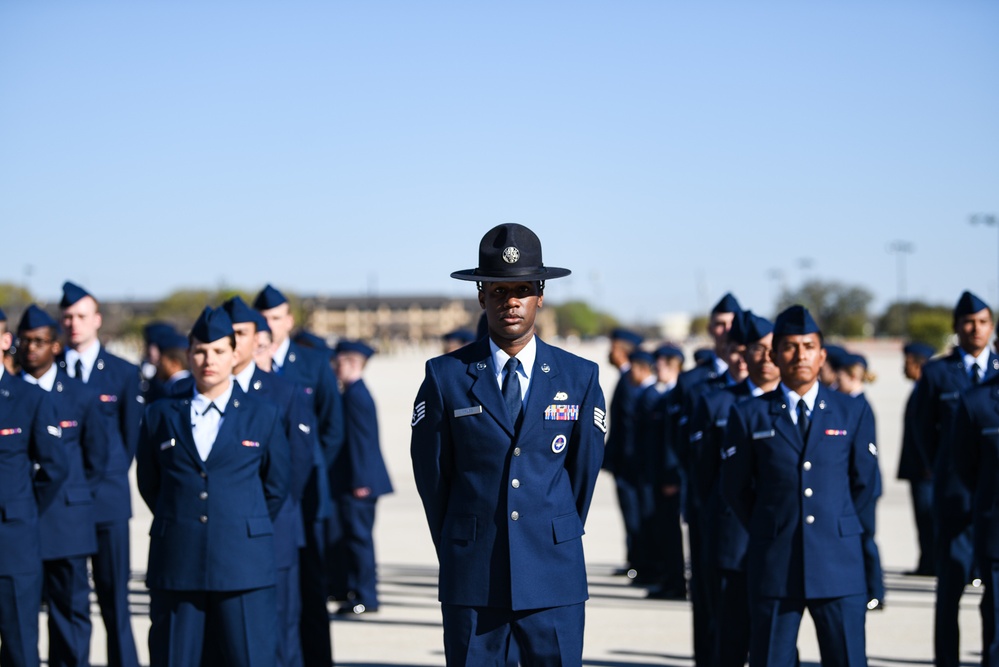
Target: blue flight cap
x=212, y=325
x=311, y=340
x=968, y=304
x=752, y=327
x=641, y=357
x=850, y=359
x=626, y=335
x=795, y=321
x=463, y=336
x=173, y=340
x=269, y=297
x=36, y=318
x=835, y=355
x=727, y=304
x=154, y=332
x=735, y=332
x=71, y=293
x=261, y=321
x=238, y=311
x=670, y=352
x=704, y=356
x=918, y=349
x=344, y=345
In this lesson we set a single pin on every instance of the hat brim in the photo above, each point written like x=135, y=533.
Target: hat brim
x=544, y=273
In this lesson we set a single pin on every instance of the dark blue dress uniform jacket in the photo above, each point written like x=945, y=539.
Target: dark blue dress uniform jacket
x=212, y=520
x=117, y=383
x=976, y=460
x=29, y=436
x=506, y=510
x=728, y=539
x=799, y=499
x=67, y=525
x=367, y=467
x=938, y=394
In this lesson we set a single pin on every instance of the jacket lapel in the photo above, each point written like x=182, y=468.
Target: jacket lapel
x=185, y=430
x=819, y=412
x=228, y=427
x=484, y=387
x=782, y=421
x=542, y=389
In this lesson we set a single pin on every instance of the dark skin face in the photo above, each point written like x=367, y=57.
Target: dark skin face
x=511, y=308
x=913, y=368
x=973, y=331
x=37, y=350
x=799, y=359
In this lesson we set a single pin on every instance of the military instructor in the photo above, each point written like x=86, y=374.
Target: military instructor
x=507, y=442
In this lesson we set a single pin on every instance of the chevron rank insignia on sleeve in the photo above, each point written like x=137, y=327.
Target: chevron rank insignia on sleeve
x=419, y=412
x=600, y=419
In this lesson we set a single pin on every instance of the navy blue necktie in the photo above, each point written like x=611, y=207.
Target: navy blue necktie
x=803, y=420
x=78, y=370
x=975, y=379
x=511, y=389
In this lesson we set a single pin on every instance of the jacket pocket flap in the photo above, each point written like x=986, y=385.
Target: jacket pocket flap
x=849, y=525
x=462, y=528
x=567, y=527
x=259, y=525
x=78, y=494
x=19, y=509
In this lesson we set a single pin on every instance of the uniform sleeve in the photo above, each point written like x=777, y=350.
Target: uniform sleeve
x=737, y=468
x=925, y=433
x=275, y=469
x=147, y=471
x=96, y=440
x=700, y=448
x=586, y=447
x=864, y=460
x=330, y=413
x=966, y=446
x=131, y=413
x=362, y=435
x=47, y=452
x=430, y=449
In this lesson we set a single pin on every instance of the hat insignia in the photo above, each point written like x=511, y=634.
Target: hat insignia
x=511, y=255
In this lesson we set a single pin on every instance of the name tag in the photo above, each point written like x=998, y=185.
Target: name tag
x=991, y=430
x=762, y=435
x=721, y=423
x=167, y=444
x=304, y=428
x=465, y=412
x=950, y=396
x=696, y=435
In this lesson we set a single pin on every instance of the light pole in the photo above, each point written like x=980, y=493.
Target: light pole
x=988, y=219
x=900, y=249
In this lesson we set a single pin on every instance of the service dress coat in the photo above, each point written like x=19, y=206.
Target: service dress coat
x=799, y=500
x=212, y=520
x=506, y=505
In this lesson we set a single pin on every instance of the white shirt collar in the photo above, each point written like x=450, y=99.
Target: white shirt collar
x=245, y=375
x=982, y=360
x=282, y=352
x=88, y=357
x=200, y=402
x=793, y=398
x=753, y=389
x=526, y=357
x=720, y=365
x=46, y=382
x=663, y=387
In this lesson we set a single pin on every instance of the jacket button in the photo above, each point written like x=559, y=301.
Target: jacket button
x=808, y=493
x=809, y=519
x=203, y=495
x=515, y=483
x=203, y=474
x=516, y=451
x=807, y=465
x=515, y=515
x=204, y=519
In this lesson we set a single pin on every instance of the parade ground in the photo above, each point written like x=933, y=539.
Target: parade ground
x=622, y=627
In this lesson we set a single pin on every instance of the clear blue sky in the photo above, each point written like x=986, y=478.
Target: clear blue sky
x=664, y=151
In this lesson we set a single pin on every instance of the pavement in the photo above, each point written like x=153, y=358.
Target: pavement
x=622, y=628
